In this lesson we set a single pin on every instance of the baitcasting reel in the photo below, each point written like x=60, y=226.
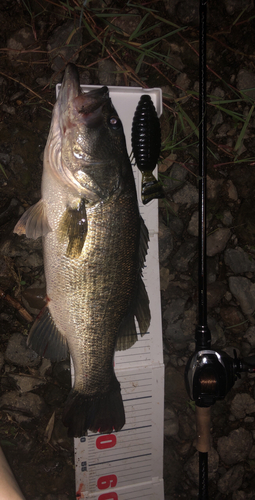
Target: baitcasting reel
x=210, y=374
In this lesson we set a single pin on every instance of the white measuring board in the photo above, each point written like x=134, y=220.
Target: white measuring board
x=128, y=465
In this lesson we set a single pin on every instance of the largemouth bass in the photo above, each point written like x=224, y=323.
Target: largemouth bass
x=94, y=244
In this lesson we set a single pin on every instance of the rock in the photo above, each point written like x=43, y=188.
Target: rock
x=250, y=336
x=127, y=23
x=166, y=163
x=213, y=187
x=192, y=466
x=233, y=6
x=243, y=404
x=238, y=260
x=175, y=391
x=60, y=437
x=29, y=259
x=1, y=361
x=188, y=12
x=215, y=293
x=231, y=191
x=217, y=333
x=17, y=45
x=165, y=242
x=107, y=71
x=28, y=403
x=175, y=334
x=232, y=317
x=26, y=383
x=193, y=224
x=227, y=218
x=33, y=297
x=45, y=367
x=252, y=452
x=217, y=120
x=187, y=423
x=7, y=277
x=171, y=423
x=63, y=45
x=216, y=242
x=175, y=224
x=8, y=109
x=175, y=178
x=244, y=292
x=182, y=258
x=218, y=92
x=243, y=495
x=175, y=61
x=61, y=496
x=17, y=352
x=246, y=80
x=189, y=322
x=164, y=278
x=170, y=5
x=10, y=210
x=231, y=480
x=188, y=195
x=174, y=310
x=212, y=269
x=182, y=81
x=235, y=447
x=62, y=373
x=18, y=246
x=172, y=466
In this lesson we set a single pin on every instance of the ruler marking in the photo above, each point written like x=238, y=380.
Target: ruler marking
x=123, y=430
x=121, y=455
x=135, y=399
x=125, y=475
x=117, y=460
x=132, y=470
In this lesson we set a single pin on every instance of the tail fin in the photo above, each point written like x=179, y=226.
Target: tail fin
x=100, y=413
x=151, y=187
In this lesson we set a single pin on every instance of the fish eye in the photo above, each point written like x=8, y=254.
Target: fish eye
x=114, y=122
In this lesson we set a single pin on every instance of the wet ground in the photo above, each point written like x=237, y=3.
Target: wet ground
x=38, y=449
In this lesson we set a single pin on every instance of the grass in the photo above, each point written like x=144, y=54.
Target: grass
x=142, y=56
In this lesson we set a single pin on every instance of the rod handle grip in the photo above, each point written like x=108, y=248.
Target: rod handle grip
x=203, y=424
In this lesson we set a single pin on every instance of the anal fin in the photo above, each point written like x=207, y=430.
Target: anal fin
x=45, y=338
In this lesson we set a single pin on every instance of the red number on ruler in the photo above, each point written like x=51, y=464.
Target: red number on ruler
x=108, y=496
x=107, y=482
x=106, y=441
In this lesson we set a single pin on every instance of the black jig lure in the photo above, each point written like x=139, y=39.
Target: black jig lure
x=146, y=144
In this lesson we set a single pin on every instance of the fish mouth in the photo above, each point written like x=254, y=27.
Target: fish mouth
x=85, y=104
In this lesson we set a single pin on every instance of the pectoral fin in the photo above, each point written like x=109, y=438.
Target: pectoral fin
x=45, y=338
x=74, y=226
x=34, y=222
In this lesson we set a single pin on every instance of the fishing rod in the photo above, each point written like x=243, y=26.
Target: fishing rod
x=209, y=374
